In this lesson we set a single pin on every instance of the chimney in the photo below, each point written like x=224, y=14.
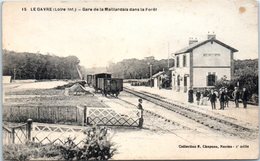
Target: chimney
x=191, y=40
x=211, y=36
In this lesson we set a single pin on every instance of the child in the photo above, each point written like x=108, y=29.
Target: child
x=140, y=107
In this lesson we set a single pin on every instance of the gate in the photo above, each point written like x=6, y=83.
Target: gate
x=43, y=133
x=17, y=134
x=57, y=134
x=113, y=117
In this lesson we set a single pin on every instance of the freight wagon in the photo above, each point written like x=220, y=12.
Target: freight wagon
x=95, y=79
x=112, y=86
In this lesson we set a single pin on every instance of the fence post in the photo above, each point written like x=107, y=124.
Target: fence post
x=29, y=128
x=12, y=135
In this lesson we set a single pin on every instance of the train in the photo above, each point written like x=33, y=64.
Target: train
x=104, y=83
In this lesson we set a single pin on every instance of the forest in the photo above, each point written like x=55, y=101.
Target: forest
x=245, y=67
x=138, y=68
x=38, y=66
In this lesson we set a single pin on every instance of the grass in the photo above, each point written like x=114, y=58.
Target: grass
x=49, y=97
x=24, y=104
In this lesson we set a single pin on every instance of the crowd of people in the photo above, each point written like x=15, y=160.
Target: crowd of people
x=223, y=95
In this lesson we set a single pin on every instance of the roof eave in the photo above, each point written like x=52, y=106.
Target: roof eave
x=204, y=42
x=225, y=45
x=182, y=52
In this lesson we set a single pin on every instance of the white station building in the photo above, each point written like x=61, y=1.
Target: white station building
x=201, y=64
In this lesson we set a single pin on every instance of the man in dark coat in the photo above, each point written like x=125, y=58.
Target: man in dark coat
x=226, y=98
x=221, y=98
x=236, y=96
x=190, y=95
x=212, y=98
x=198, y=96
x=244, y=97
x=140, y=107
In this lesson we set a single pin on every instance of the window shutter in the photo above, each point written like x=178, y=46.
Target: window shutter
x=216, y=78
x=207, y=80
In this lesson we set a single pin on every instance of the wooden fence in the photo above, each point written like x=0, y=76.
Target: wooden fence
x=51, y=114
x=74, y=115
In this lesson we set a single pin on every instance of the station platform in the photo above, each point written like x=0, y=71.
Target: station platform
x=247, y=117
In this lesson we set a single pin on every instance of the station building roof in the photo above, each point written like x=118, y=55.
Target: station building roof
x=198, y=44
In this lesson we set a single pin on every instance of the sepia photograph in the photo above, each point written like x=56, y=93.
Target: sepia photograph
x=130, y=80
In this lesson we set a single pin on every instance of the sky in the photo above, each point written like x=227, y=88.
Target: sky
x=98, y=38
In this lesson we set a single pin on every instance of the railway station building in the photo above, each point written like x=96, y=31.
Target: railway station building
x=201, y=64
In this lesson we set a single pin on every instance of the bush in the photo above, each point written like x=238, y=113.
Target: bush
x=23, y=152
x=16, y=152
x=96, y=146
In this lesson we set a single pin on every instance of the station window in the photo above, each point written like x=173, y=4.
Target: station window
x=177, y=62
x=184, y=60
x=178, y=80
x=211, y=79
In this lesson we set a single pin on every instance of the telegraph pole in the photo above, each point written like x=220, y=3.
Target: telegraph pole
x=151, y=74
x=14, y=73
x=168, y=55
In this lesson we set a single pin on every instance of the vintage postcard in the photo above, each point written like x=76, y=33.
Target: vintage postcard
x=121, y=79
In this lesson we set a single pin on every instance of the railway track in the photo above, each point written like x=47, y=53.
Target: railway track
x=211, y=122
x=147, y=124
x=159, y=116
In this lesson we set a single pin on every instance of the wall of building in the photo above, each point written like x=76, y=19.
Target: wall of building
x=211, y=54
x=182, y=71
x=200, y=75
x=155, y=82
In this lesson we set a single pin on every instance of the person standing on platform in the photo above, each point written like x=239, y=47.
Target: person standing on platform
x=221, y=98
x=204, y=97
x=140, y=107
x=190, y=95
x=198, y=96
x=235, y=95
x=244, y=97
x=212, y=98
x=226, y=98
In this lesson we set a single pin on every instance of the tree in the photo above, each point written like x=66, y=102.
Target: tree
x=37, y=66
x=138, y=69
